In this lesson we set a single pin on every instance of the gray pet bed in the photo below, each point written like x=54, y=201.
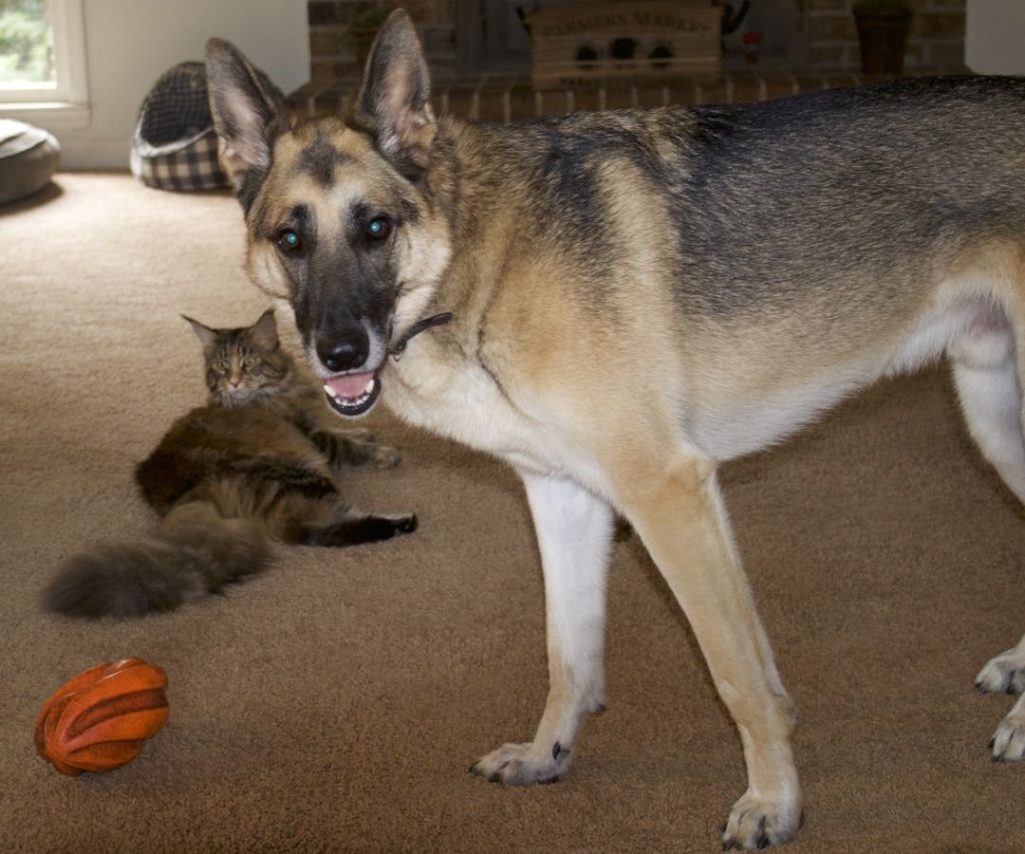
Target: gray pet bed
x=28, y=159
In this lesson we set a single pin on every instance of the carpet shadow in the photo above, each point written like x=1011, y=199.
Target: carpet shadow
x=47, y=194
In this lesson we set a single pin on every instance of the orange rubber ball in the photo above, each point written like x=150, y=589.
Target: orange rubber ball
x=99, y=720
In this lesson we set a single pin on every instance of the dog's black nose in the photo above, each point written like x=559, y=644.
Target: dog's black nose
x=345, y=352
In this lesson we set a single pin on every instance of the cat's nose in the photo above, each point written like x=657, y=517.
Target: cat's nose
x=344, y=352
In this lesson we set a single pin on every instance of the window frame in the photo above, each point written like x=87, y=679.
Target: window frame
x=66, y=104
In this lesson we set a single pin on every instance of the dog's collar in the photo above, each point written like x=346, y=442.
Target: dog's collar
x=434, y=320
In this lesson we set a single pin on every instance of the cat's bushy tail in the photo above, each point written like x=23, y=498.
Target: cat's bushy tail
x=195, y=552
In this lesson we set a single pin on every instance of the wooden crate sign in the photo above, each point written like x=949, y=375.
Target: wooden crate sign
x=621, y=41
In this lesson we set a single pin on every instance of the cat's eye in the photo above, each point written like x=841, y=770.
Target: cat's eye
x=289, y=241
x=249, y=362
x=379, y=228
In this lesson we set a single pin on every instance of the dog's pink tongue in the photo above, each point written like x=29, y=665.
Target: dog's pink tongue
x=351, y=386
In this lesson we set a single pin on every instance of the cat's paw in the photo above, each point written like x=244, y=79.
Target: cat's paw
x=385, y=456
x=361, y=434
x=405, y=524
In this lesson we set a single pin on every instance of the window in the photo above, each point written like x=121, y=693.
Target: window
x=26, y=45
x=42, y=59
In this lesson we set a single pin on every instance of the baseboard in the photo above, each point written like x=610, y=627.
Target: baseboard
x=94, y=154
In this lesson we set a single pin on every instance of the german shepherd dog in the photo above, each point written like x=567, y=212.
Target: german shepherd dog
x=633, y=297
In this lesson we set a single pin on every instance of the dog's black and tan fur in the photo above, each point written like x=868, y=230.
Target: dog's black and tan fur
x=638, y=296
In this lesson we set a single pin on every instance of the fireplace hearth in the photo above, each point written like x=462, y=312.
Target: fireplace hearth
x=480, y=56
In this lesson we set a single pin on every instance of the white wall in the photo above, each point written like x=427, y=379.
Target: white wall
x=130, y=43
x=995, y=36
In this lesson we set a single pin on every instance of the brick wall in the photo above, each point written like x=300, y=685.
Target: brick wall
x=332, y=51
x=936, y=41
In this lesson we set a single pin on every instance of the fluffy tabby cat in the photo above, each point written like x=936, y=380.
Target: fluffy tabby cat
x=259, y=462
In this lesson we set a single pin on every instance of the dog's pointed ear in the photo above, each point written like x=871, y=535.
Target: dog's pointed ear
x=396, y=96
x=248, y=113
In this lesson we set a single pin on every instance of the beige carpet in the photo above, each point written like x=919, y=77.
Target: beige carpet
x=337, y=702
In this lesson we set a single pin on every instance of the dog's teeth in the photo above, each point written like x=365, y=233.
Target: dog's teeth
x=330, y=391
x=369, y=389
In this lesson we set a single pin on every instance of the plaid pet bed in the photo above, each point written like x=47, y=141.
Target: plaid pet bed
x=173, y=145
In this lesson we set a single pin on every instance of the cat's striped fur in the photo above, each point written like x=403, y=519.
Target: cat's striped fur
x=259, y=462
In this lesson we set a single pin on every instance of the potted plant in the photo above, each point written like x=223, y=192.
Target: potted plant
x=367, y=19
x=883, y=28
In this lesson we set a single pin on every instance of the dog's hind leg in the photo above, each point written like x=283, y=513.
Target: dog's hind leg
x=574, y=532
x=679, y=515
x=985, y=368
x=988, y=366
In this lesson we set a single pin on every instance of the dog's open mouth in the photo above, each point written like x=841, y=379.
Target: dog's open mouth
x=353, y=395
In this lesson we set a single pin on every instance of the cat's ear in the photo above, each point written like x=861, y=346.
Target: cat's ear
x=206, y=335
x=265, y=331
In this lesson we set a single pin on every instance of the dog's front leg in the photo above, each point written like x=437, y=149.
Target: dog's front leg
x=574, y=531
x=679, y=515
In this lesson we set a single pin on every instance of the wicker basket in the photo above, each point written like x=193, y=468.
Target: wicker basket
x=173, y=145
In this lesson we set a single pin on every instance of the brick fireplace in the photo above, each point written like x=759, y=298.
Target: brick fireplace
x=479, y=54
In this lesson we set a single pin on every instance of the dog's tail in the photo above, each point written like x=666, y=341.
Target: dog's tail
x=195, y=552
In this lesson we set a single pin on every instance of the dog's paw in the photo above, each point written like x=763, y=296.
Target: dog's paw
x=1008, y=742
x=523, y=764
x=1003, y=674
x=760, y=822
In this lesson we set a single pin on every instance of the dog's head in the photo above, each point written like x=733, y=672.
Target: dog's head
x=338, y=213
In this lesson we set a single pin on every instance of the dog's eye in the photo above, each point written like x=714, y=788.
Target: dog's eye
x=289, y=241
x=379, y=228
